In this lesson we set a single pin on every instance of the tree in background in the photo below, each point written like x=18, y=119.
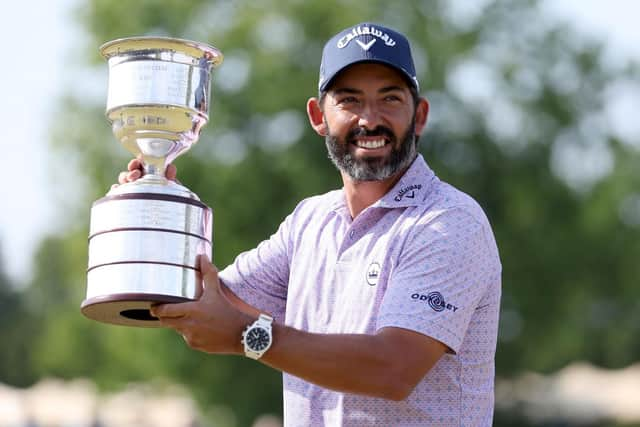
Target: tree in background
x=16, y=335
x=520, y=119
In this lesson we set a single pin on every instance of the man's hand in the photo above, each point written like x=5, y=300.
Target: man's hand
x=212, y=323
x=134, y=171
x=387, y=364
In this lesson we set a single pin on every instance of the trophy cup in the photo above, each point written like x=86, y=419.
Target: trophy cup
x=145, y=236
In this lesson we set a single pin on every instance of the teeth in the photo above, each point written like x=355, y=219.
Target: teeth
x=371, y=144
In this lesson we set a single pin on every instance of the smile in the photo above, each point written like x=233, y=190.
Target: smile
x=370, y=144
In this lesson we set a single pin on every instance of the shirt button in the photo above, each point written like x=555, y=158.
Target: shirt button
x=352, y=233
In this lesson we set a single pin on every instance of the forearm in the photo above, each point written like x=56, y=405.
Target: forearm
x=388, y=364
x=238, y=303
x=353, y=363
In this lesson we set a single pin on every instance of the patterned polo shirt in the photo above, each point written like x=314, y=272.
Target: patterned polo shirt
x=422, y=258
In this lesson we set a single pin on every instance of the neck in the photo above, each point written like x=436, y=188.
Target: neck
x=362, y=194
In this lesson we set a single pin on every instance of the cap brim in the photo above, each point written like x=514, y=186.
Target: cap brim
x=405, y=75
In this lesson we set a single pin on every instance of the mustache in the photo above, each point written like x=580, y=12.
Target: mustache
x=377, y=131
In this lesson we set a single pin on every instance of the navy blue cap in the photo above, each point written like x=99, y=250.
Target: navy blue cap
x=366, y=42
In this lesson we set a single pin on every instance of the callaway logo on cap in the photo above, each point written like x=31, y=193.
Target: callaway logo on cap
x=366, y=43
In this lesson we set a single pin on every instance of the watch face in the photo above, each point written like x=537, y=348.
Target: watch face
x=257, y=339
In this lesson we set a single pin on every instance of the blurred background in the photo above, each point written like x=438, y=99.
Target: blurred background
x=534, y=112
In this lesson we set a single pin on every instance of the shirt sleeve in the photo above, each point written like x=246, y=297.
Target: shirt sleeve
x=260, y=276
x=445, y=269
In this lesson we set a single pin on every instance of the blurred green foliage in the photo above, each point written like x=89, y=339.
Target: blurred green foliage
x=498, y=133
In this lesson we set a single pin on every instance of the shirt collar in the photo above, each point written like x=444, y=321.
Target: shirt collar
x=410, y=190
x=337, y=200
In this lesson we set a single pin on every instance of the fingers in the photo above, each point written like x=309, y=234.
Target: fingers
x=171, y=172
x=134, y=164
x=130, y=176
x=169, y=311
x=135, y=171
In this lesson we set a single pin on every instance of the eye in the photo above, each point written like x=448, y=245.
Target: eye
x=392, y=98
x=348, y=100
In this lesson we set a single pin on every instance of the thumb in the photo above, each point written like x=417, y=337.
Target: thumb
x=210, y=281
x=172, y=172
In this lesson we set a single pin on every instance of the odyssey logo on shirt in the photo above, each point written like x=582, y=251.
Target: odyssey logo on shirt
x=435, y=301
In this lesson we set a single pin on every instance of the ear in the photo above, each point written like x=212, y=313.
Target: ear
x=422, y=113
x=316, y=118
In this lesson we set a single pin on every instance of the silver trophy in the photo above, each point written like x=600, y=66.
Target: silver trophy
x=146, y=236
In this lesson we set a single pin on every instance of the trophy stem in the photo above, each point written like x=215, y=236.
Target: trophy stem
x=151, y=169
x=155, y=153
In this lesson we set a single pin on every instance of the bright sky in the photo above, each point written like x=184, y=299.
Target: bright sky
x=37, y=38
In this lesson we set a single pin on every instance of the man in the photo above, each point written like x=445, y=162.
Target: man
x=379, y=301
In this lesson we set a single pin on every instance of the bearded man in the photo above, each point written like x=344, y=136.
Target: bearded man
x=379, y=301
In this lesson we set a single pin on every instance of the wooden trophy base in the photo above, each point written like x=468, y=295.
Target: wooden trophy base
x=130, y=309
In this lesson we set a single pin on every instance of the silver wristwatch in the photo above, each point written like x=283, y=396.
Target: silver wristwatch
x=257, y=337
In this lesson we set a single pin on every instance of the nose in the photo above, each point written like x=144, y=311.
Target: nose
x=369, y=117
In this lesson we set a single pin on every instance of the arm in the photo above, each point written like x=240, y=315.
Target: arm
x=388, y=364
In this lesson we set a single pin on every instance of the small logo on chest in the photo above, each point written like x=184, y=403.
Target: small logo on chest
x=373, y=274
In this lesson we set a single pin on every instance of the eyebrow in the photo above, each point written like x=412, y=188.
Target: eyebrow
x=350, y=90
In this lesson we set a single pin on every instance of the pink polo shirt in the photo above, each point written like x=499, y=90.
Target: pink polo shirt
x=421, y=258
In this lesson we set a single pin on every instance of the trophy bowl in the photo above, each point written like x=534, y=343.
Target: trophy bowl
x=146, y=236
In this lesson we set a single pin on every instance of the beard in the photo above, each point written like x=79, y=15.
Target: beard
x=373, y=168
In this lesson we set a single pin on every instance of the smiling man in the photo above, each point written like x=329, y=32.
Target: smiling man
x=378, y=301
x=374, y=105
